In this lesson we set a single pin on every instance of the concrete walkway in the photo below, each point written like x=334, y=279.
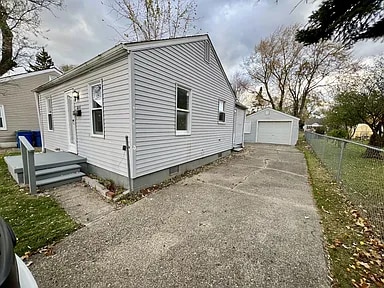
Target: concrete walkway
x=81, y=203
x=250, y=222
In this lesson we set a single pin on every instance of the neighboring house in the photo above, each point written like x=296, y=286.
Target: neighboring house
x=271, y=126
x=313, y=123
x=363, y=131
x=18, y=103
x=171, y=98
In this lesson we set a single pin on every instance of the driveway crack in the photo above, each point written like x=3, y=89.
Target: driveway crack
x=265, y=165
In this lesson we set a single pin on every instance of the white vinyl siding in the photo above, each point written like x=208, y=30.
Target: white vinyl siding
x=156, y=72
x=207, y=51
x=49, y=114
x=3, y=122
x=105, y=152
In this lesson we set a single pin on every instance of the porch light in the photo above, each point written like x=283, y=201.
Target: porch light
x=76, y=95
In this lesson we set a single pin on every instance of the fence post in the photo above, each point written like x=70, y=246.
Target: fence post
x=324, y=143
x=338, y=177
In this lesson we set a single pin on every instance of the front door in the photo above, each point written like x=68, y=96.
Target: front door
x=71, y=123
x=239, y=127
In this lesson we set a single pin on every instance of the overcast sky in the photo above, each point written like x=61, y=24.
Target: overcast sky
x=82, y=30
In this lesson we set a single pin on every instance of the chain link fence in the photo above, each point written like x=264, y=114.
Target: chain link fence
x=359, y=169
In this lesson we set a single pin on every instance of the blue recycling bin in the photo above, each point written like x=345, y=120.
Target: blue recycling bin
x=36, y=138
x=26, y=133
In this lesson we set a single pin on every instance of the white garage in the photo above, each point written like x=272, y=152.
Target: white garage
x=272, y=127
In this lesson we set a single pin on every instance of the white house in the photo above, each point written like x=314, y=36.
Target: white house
x=171, y=98
x=271, y=126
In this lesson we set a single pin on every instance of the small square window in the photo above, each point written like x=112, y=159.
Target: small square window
x=174, y=170
x=221, y=111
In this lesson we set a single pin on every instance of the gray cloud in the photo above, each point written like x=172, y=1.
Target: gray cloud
x=82, y=30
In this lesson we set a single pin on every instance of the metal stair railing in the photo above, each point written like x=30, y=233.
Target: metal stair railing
x=28, y=157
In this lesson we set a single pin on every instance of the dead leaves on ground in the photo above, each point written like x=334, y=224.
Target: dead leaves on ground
x=367, y=259
x=46, y=250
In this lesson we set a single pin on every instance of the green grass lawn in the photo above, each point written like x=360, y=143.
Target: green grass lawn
x=362, y=178
x=36, y=220
x=354, y=249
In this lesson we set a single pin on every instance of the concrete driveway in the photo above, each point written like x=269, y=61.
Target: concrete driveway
x=250, y=222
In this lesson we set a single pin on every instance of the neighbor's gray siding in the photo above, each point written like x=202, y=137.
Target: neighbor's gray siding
x=20, y=104
x=156, y=73
x=106, y=153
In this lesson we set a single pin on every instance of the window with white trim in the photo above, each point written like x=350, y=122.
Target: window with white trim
x=49, y=113
x=3, y=123
x=183, y=113
x=221, y=111
x=96, y=91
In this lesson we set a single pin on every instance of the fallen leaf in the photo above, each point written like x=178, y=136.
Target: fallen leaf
x=29, y=263
x=365, y=265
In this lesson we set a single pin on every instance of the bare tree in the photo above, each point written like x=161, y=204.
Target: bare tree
x=289, y=72
x=20, y=19
x=154, y=19
x=240, y=83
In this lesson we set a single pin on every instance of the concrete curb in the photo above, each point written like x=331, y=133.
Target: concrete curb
x=94, y=184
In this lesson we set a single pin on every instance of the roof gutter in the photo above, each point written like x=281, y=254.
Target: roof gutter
x=103, y=58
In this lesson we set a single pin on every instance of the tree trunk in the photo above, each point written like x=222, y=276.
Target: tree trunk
x=6, y=62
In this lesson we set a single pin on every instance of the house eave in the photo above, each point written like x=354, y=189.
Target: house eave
x=29, y=74
x=278, y=112
x=105, y=57
x=238, y=104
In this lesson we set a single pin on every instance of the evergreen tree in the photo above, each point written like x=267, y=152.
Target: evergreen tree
x=346, y=21
x=43, y=61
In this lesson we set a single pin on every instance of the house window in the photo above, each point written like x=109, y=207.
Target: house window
x=3, y=124
x=49, y=114
x=183, y=115
x=221, y=111
x=97, y=109
x=207, y=51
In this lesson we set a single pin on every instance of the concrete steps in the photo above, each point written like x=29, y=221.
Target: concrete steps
x=59, y=180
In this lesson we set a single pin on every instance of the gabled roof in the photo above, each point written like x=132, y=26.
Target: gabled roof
x=312, y=121
x=275, y=111
x=123, y=48
x=29, y=74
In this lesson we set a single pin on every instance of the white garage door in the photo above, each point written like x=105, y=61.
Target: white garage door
x=274, y=132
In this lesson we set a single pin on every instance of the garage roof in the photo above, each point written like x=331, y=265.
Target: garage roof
x=275, y=111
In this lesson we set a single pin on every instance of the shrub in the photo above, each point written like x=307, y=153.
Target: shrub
x=320, y=130
x=339, y=133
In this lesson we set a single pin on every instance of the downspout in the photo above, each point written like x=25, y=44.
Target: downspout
x=130, y=140
x=40, y=121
